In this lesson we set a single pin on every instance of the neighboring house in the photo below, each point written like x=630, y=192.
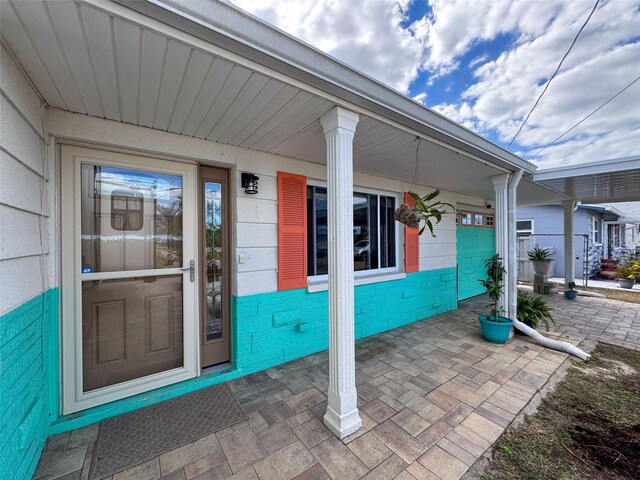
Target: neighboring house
x=178, y=182
x=631, y=217
x=594, y=239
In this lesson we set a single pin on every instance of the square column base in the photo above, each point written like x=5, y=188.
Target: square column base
x=342, y=426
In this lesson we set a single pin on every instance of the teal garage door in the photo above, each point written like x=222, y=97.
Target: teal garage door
x=475, y=244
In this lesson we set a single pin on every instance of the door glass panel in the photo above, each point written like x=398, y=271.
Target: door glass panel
x=213, y=253
x=130, y=219
x=131, y=328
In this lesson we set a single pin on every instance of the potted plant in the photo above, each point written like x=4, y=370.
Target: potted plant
x=628, y=271
x=495, y=328
x=570, y=292
x=532, y=310
x=541, y=258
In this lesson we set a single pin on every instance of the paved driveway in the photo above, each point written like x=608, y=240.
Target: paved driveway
x=433, y=396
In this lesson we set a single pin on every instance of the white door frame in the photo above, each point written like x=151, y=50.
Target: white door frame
x=73, y=397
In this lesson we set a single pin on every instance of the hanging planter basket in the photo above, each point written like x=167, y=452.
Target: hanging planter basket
x=431, y=213
x=405, y=214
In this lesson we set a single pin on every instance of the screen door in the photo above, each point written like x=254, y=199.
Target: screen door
x=135, y=273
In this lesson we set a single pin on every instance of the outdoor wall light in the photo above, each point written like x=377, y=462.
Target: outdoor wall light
x=250, y=183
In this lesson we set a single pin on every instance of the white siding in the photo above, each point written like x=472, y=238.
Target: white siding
x=24, y=205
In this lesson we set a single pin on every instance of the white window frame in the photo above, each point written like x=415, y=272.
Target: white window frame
x=74, y=399
x=373, y=273
x=617, y=236
x=596, y=230
x=525, y=231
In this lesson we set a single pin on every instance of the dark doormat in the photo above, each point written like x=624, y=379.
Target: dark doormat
x=133, y=438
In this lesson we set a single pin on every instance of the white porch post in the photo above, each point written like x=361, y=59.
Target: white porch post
x=569, y=265
x=342, y=416
x=500, y=186
x=512, y=262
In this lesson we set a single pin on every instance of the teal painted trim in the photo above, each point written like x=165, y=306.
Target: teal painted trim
x=273, y=328
x=52, y=353
x=28, y=369
x=102, y=412
x=474, y=246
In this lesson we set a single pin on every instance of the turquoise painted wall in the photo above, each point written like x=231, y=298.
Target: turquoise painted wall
x=475, y=244
x=28, y=382
x=272, y=328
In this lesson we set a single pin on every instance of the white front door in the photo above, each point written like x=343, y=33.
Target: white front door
x=129, y=287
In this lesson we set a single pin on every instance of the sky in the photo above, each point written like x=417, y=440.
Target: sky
x=483, y=64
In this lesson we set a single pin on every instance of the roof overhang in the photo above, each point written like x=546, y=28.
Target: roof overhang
x=209, y=70
x=230, y=27
x=606, y=181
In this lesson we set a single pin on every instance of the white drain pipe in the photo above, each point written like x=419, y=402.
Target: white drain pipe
x=549, y=343
x=512, y=268
x=512, y=242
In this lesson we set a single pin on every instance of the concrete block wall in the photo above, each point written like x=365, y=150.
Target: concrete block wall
x=26, y=384
x=272, y=328
x=29, y=299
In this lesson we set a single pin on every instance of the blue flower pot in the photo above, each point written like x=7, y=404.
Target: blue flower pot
x=571, y=294
x=495, y=329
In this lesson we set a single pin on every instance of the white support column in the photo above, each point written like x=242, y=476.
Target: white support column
x=512, y=263
x=500, y=186
x=569, y=264
x=342, y=416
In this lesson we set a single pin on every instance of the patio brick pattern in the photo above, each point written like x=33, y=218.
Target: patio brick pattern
x=433, y=396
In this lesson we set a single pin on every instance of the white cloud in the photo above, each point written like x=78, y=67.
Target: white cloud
x=456, y=25
x=478, y=60
x=421, y=97
x=366, y=35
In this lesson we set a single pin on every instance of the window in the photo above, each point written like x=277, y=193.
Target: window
x=374, y=231
x=489, y=221
x=596, y=230
x=466, y=219
x=524, y=227
x=126, y=210
x=478, y=220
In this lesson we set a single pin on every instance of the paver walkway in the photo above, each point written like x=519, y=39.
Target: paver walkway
x=609, y=284
x=433, y=396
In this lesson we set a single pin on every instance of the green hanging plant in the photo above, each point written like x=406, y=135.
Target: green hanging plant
x=431, y=213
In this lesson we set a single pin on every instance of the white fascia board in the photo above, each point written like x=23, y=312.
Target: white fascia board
x=603, y=207
x=586, y=169
x=234, y=30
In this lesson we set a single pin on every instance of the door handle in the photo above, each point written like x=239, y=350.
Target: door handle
x=192, y=270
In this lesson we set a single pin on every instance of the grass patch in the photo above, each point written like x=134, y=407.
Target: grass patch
x=617, y=294
x=587, y=428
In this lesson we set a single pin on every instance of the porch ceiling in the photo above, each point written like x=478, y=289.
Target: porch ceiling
x=92, y=61
x=606, y=181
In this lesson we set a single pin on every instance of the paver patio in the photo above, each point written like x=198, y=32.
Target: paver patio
x=433, y=396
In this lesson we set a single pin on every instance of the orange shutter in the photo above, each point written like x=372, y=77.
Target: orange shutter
x=411, y=242
x=292, y=231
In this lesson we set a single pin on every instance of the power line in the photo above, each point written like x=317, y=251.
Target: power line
x=601, y=106
x=554, y=73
